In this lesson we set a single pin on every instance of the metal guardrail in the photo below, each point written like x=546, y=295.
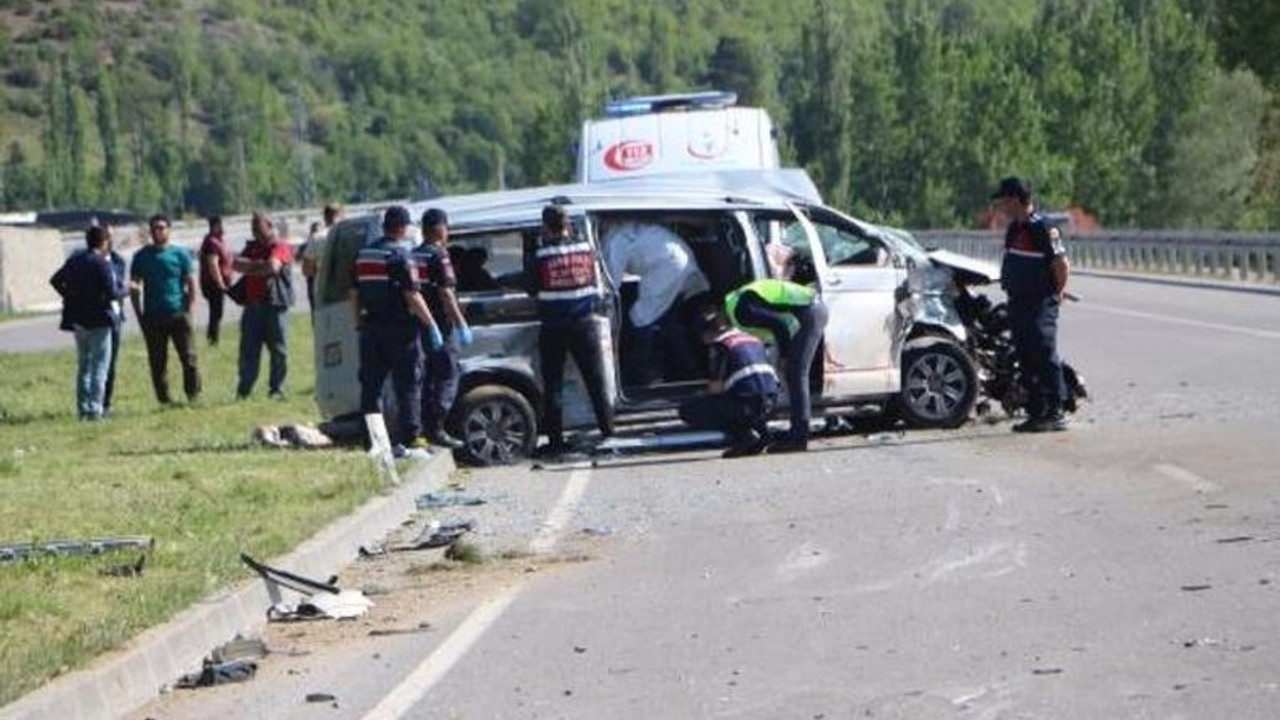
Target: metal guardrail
x=1232, y=257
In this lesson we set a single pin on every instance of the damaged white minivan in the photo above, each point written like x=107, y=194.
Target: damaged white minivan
x=894, y=338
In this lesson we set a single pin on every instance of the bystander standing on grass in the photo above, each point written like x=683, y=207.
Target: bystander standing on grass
x=266, y=263
x=162, y=288
x=88, y=290
x=215, y=275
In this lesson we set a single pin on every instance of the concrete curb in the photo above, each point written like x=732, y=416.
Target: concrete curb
x=127, y=679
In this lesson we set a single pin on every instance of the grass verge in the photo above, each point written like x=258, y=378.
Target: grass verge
x=187, y=476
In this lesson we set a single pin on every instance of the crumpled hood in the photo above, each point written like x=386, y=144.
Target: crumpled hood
x=967, y=270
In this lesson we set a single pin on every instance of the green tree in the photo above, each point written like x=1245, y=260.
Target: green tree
x=822, y=118
x=1215, y=155
x=114, y=169
x=739, y=64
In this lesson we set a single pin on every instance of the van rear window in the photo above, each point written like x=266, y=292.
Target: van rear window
x=338, y=258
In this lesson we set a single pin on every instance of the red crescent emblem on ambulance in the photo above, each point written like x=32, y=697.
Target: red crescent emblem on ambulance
x=628, y=155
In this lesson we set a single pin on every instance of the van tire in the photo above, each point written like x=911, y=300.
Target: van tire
x=497, y=426
x=939, y=384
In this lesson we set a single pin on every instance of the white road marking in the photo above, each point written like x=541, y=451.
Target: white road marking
x=397, y=703
x=564, y=509
x=1188, y=478
x=1238, y=329
x=413, y=688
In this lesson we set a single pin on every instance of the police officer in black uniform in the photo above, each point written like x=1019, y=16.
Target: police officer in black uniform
x=438, y=283
x=567, y=292
x=1034, y=274
x=743, y=389
x=390, y=312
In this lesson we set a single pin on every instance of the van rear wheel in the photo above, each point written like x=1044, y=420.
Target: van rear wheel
x=496, y=425
x=939, y=384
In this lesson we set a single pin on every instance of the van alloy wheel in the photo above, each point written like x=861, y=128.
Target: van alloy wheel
x=496, y=425
x=939, y=385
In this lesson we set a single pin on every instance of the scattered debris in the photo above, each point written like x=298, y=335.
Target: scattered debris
x=465, y=552
x=133, y=569
x=435, y=535
x=324, y=599
x=240, y=648
x=1201, y=642
x=385, y=632
x=303, y=437
x=1196, y=588
x=216, y=673
x=437, y=500
x=10, y=552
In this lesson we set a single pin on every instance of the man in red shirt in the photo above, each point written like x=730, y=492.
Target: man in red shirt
x=215, y=274
x=267, y=265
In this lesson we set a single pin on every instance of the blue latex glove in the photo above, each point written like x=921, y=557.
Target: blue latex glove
x=435, y=338
x=464, y=334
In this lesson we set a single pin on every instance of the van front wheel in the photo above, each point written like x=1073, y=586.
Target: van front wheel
x=939, y=384
x=497, y=426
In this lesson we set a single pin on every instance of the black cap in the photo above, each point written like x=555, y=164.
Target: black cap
x=433, y=217
x=396, y=216
x=555, y=217
x=1012, y=187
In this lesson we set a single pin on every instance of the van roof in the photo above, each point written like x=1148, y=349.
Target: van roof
x=690, y=191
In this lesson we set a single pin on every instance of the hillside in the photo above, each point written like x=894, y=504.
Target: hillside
x=904, y=111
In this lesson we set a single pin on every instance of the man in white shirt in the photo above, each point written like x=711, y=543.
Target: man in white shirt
x=668, y=275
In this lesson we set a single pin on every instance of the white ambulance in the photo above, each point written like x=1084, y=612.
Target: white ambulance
x=673, y=134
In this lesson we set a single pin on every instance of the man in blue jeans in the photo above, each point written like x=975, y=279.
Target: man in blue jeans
x=88, y=290
x=266, y=263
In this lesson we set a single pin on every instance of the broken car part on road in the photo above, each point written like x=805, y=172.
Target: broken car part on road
x=324, y=599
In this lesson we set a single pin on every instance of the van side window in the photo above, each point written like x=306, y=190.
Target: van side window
x=843, y=245
x=488, y=262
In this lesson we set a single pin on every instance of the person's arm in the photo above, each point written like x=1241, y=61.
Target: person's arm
x=1059, y=266
x=135, y=288
x=189, y=291
x=1060, y=271
x=261, y=267
x=135, y=296
x=59, y=280
x=213, y=271
x=418, y=306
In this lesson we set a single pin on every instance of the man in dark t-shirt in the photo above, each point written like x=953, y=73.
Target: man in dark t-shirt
x=215, y=274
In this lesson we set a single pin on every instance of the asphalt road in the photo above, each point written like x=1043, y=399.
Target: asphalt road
x=1125, y=569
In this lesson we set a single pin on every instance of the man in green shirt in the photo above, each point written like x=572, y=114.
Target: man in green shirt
x=162, y=286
